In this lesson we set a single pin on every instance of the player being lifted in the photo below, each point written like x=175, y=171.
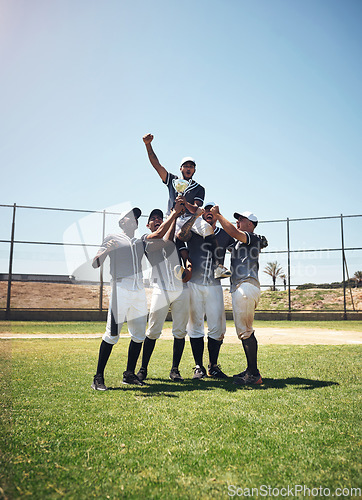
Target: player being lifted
x=193, y=198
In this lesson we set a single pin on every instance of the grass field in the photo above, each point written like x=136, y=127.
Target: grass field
x=201, y=439
x=29, y=327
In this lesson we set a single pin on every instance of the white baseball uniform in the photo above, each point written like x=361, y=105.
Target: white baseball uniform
x=206, y=295
x=168, y=292
x=245, y=286
x=128, y=298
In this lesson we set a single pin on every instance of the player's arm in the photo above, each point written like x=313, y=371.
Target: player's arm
x=162, y=172
x=185, y=232
x=192, y=207
x=232, y=231
x=170, y=234
x=99, y=258
x=165, y=226
x=184, y=254
x=102, y=253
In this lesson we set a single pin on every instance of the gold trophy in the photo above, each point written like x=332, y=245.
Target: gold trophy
x=180, y=185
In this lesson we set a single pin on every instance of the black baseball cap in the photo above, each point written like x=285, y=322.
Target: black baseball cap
x=155, y=211
x=136, y=212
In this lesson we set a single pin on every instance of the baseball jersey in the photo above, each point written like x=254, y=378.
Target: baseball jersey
x=125, y=260
x=193, y=192
x=200, y=255
x=163, y=257
x=245, y=260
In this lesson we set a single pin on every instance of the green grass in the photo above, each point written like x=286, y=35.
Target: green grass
x=51, y=327
x=33, y=327
x=165, y=440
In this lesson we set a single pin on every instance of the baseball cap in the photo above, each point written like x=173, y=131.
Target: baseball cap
x=248, y=215
x=187, y=158
x=209, y=204
x=136, y=212
x=155, y=211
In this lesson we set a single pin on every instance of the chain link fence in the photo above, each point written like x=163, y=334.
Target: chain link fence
x=46, y=254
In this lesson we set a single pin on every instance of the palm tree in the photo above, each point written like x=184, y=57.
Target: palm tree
x=284, y=278
x=274, y=270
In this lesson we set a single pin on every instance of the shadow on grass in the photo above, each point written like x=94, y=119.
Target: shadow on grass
x=161, y=387
x=303, y=383
x=168, y=388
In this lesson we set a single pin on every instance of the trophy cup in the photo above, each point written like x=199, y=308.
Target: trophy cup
x=180, y=185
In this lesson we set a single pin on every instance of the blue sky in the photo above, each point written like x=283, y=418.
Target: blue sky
x=264, y=95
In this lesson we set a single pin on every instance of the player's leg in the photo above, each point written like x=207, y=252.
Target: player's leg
x=157, y=316
x=115, y=320
x=244, y=302
x=180, y=310
x=195, y=326
x=137, y=322
x=216, y=323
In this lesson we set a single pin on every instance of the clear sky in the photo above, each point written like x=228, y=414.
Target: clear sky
x=265, y=95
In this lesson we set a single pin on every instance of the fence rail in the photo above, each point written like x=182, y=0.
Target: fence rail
x=288, y=251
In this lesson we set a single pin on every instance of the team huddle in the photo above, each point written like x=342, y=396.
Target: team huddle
x=186, y=251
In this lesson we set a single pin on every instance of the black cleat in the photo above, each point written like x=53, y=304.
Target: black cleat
x=248, y=379
x=131, y=378
x=98, y=383
x=215, y=372
x=175, y=375
x=241, y=374
x=199, y=372
x=142, y=374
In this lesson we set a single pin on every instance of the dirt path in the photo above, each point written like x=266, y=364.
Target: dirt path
x=293, y=336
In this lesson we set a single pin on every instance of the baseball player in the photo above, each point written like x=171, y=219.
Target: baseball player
x=245, y=286
x=206, y=297
x=167, y=293
x=193, y=198
x=128, y=298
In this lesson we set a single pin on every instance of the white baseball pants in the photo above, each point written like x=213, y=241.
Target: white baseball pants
x=161, y=302
x=200, y=226
x=130, y=306
x=244, y=302
x=209, y=300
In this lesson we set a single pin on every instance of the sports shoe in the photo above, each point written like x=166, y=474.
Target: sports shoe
x=248, y=379
x=215, y=372
x=131, y=378
x=241, y=374
x=199, y=372
x=221, y=272
x=98, y=383
x=142, y=374
x=175, y=375
x=179, y=272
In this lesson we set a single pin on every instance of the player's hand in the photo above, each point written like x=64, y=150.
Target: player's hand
x=215, y=210
x=187, y=273
x=111, y=245
x=199, y=211
x=148, y=138
x=180, y=205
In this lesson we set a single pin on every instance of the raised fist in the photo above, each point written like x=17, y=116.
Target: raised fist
x=148, y=138
x=215, y=210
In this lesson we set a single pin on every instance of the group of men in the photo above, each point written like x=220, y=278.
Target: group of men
x=186, y=251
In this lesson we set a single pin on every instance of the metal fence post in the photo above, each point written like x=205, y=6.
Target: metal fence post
x=101, y=268
x=343, y=273
x=289, y=295
x=11, y=256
